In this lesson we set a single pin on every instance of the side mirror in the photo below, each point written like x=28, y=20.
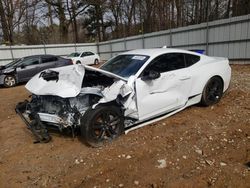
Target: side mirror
x=22, y=66
x=151, y=75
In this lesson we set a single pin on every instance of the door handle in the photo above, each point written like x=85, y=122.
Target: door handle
x=185, y=78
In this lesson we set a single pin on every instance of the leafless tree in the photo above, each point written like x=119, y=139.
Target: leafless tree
x=62, y=21
x=12, y=13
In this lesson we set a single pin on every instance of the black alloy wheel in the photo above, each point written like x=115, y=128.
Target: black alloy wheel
x=102, y=124
x=213, y=91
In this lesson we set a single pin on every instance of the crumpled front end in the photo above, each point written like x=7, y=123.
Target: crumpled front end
x=43, y=112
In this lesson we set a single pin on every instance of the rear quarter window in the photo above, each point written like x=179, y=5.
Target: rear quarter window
x=49, y=59
x=90, y=53
x=191, y=59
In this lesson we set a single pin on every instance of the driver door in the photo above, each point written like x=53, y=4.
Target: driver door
x=84, y=58
x=166, y=92
x=28, y=68
x=89, y=58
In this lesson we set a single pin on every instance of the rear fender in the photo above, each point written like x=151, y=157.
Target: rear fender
x=203, y=73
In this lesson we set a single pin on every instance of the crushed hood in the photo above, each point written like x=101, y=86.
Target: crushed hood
x=68, y=84
x=63, y=81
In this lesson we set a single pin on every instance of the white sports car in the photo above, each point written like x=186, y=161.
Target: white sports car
x=131, y=90
x=86, y=58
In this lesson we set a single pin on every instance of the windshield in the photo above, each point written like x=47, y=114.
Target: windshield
x=74, y=55
x=13, y=63
x=125, y=65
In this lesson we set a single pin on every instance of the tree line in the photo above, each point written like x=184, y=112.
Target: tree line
x=74, y=21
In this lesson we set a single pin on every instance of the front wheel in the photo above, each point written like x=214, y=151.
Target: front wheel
x=212, y=92
x=9, y=81
x=102, y=124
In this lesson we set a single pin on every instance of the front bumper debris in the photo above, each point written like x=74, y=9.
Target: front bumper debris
x=33, y=123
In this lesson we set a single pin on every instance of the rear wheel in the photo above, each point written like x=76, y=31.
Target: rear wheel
x=9, y=81
x=212, y=92
x=78, y=62
x=102, y=124
x=96, y=62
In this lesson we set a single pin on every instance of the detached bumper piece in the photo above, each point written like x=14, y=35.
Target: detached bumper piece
x=33, y=123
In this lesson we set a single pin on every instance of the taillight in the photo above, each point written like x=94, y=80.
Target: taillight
x=71, y=61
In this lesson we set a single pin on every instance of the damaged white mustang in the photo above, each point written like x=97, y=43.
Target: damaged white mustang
x=129, y=91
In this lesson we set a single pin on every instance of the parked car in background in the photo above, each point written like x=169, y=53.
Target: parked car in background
x=131, y=90
x=21, y=70
x=75, y=54
x=86, y=58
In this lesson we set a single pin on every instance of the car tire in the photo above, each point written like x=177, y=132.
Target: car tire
x=9, y=81
x=212, y=91
x=96, y=126
x=78, y=62
x=96, y=62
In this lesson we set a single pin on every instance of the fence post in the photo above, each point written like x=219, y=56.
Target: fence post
x=170, y=38
x=207, y=38
x=110, y=47
x=75, y=47
x=44, y=48
x=143, y=42
x=248, y=21
x=98, y=48
x=11, y=52
x=207, y=30
x=228, y=44
x=125, y=44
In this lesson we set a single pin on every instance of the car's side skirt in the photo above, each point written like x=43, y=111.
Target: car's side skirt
x=192, y=100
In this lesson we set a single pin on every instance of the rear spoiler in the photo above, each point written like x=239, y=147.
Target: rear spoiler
x=199, y=51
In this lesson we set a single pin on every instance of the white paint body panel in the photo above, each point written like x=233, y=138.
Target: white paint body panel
x=166, y=93
x=68, y=85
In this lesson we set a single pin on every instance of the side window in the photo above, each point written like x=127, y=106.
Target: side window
x=48, y=59
x=30, y=61
x=83, y=54
x=89, y=53
x=191, y=59
x=167, y=62
x=175, y=61
x=159, y=64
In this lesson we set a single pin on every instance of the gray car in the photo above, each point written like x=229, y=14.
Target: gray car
x=21, y=70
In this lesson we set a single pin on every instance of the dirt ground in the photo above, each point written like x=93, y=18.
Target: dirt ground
x=198, y=147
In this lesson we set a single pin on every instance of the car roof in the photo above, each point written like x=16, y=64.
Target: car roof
x=42, y=55
x=153, y=52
